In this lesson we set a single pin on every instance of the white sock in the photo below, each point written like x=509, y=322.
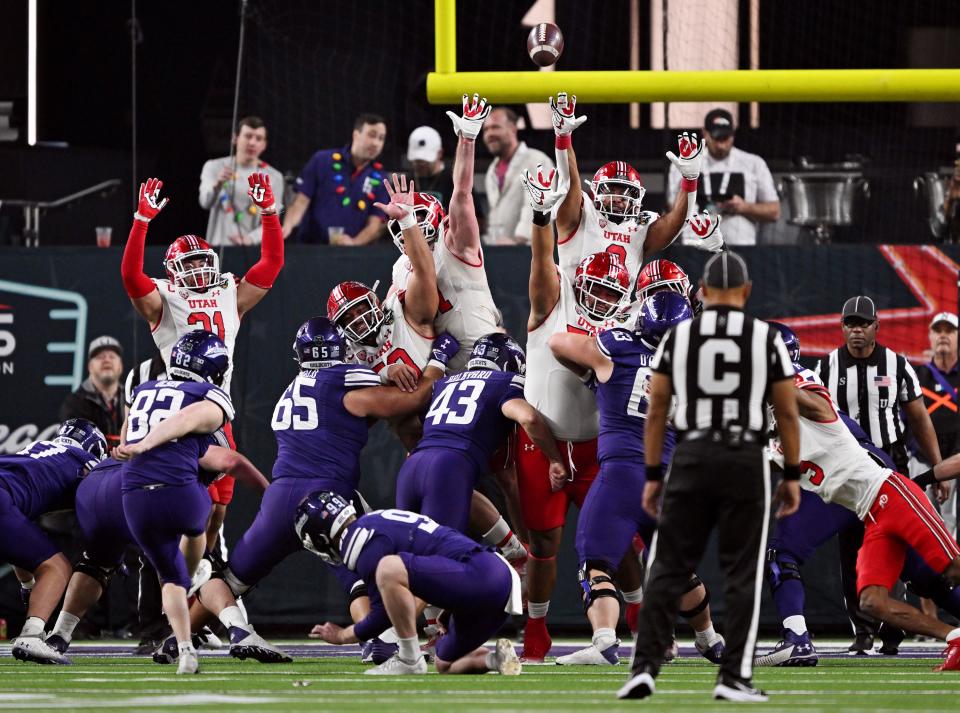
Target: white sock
x=30, y=584
x=704, y=636
x=409, y=649
x=491, y=661
x=502, y=537
x=634, y=597
x=232, y=616
x=65, y=625
x=604, y=638
x=798, y=624
x=953, y=635
x=538, y=610
x=33, y=626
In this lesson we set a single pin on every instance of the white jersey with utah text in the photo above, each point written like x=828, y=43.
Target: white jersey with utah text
x=397, y=342
x=834, y=466
x=466, y=309
x=564, y=400
x=596, y=234
x=184, y=310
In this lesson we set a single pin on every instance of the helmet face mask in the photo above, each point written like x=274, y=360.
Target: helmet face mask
x=191, y=263
x=618, y=192
x=430, y=216
x=356, y=309
x=321, y=519
x=600, y=285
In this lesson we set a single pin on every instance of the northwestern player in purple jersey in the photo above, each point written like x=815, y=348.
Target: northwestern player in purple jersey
x=403, y=556
x=321, y=424
x=797, y=536
x=612, y=512
x=163, y=498
x=43, y=476
x=471, y=415
x=105, y=534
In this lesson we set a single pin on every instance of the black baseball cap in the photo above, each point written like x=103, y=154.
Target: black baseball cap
x=725, y=270
x=860, y=306
x=719, y=123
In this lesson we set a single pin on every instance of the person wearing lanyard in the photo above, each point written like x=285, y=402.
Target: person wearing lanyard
x=938, y=383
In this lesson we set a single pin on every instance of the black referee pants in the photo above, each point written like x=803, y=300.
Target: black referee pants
x=709, y=486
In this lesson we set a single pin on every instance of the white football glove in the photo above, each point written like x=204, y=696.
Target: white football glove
x=563, y=113
x=474, y=113
x=691, y=156
x=543, y=192
x=705, y=227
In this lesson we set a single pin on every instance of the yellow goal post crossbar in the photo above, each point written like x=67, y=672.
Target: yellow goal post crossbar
x=446, y=85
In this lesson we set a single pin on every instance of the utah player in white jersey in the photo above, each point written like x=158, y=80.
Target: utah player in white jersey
x=895, y=511
x=466, y=309
x=612, y=219
x=196, y=295
x=588, y=304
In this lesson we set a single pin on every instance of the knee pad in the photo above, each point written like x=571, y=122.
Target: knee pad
x=781, y=567
x=357, y=591
x=695, y=582
x=90, y=568
x=587, y=584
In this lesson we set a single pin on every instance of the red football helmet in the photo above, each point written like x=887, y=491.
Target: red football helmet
x=618, y=191
x=600, y=284
x=429, y=213
x=659, y=275
x=191, y=262
x=358, y=324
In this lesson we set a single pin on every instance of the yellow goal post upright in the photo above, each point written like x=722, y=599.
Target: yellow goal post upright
x=445, y=85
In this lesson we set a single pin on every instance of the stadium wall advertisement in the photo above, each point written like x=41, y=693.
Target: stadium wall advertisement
x=54, y=301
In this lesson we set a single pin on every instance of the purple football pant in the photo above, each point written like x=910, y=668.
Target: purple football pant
x=438, y=483
x=157, y=518
x=23, y=543
x=612, y=513
x=474, y=591
x=103, y=524
x=272, y=536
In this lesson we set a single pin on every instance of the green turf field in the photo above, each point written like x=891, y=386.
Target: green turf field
x=871, y=685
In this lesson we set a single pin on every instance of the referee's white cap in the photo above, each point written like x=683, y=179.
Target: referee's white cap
x=725, y=271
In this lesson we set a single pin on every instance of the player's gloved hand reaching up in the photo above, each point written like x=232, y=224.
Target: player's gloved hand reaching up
x=690, y=160
x=150, y=204
x=261, y=193
x=543, y=192
x=705, y=227
x=563, y=112
x=475, y=112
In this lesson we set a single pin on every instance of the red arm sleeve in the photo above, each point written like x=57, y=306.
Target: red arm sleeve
x=266, y=269
x=135, y=282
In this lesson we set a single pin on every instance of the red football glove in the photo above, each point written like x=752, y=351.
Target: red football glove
x=260, y=192
x=150, y=204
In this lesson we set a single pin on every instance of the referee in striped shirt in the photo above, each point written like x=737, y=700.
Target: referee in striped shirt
x=872, y=384
x=723, y=367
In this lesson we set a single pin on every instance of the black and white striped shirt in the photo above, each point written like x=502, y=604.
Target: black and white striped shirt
x=721, y=365
x=871, y=390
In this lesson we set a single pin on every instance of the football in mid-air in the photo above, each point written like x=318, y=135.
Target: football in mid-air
x=545, y=44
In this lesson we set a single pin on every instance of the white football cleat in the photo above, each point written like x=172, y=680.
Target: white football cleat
x=393, y=666
x=592, y=656
x=508, y=663
x=188, y=662
x=33, y=648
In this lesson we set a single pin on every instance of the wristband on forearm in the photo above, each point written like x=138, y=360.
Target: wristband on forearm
x=408, y=221
x=541, y=219
x=654, y=473
x=925, y=480
x=791, y=472
x=436, y=363
x=688, y=184
x=563, y=142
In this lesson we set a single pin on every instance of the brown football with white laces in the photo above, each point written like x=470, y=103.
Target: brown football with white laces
x=545, y=44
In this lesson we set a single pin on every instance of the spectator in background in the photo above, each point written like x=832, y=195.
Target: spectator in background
x=234, y=220
x=337, y=189
x=734, y=183
x=939, y=381
x=430, y=174
x=100, y=398
x=509, y=219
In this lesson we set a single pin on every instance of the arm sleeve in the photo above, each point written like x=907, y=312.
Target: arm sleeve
x=221, y=399
x=266, y=269
x=135, y=282
x=910, y=384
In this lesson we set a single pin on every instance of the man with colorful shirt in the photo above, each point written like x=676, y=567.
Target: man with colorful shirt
x=337, y=190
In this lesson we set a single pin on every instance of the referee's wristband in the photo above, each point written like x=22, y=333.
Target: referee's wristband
x=925, y=480
x=541, y=219
x=654, y=473
x=791, y=472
